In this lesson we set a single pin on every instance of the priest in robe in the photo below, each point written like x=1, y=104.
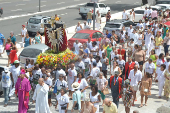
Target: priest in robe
x=22, y=88
x=128, y=67
x=41, y=97
x=122, y=52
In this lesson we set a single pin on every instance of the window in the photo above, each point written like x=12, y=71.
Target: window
x=99, y=34
x=102, y=5
x=95, y=35
x=137, y=12
x=34, y=21
x=91, y=5
x=111, y=25
x=81, y=35
x=30, y=52
x=163, y=2
x=126, y=24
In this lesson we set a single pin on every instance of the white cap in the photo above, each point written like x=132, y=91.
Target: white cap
x=6, y=70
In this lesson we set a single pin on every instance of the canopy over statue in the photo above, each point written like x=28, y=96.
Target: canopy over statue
x=55, y=35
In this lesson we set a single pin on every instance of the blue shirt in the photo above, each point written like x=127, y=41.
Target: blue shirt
x=1, y=39
x=77, y=97
x=13, y=39
x=108, y=35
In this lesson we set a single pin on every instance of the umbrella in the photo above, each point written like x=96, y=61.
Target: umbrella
x=167, y=23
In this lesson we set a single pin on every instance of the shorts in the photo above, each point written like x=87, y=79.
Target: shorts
x=7, y=53
x=102, y=95
x=89, y=20
x=140, y=63
x=69, y=87
x=135, y=88
x=49, y=95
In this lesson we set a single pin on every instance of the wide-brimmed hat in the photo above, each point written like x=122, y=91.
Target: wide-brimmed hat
x=75, y=85
x=127, y=82
x=6, y=70
x=16, y=62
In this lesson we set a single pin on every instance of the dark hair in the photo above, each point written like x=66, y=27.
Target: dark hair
x=148, y=75
x=160, y=56
x=163, y=65
x=38, y=32
x=94, y=43
x=116, y=63
x=111, y=43
x=113, y=31
x=136, y=45
x=80, y=74
x=64, y=89
x=95, y=87
x=98, y=57
x=153, y=51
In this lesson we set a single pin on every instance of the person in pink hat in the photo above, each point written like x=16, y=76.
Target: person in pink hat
x=22, y=88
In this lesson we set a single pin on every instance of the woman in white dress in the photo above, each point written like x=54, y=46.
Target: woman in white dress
x=62, y=101
x=83, y=86
x=130, y=17
x=95, y=98
x=131, y=45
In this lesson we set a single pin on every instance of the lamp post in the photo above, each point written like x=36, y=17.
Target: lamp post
x=39, y=6
x=94, y=17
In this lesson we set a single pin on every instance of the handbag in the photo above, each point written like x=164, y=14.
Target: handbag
x=106, y=91
x=76, y=107
x=145, y=90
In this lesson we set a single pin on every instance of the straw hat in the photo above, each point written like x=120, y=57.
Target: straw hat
x=75, y=85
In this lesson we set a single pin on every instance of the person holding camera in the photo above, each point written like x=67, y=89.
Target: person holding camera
x=62, y=101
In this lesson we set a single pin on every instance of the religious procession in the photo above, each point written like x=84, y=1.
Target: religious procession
x=120, y=64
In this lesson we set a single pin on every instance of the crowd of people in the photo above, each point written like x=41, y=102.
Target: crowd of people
x=124, y=63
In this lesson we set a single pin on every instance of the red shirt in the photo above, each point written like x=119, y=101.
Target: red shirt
x=13, y=56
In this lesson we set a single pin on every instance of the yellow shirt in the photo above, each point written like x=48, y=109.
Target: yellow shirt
x=105, y=47
x=158, y=41
x=111, y=109
x=57, y=18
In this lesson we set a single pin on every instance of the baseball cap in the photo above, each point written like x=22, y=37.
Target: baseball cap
x=6, y=70
x=16, y=62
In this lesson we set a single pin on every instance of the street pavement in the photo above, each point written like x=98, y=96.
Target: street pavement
x=68, y=10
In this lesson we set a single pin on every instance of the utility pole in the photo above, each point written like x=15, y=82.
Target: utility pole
x=94, y=17
x=39, y=6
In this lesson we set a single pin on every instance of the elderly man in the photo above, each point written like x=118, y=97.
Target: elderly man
x=109, y=106
x=122, y=52
x=116, y=84
x=41, y=97
x=22, y=88
x=12, y=37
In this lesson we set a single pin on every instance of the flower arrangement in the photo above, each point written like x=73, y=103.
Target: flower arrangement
x=50, y=59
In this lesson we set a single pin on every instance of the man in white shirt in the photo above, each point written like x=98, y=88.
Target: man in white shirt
x=148, y=41
x=60, y=71
x=135, y=77
x=6, y=83
x=124, y=15
x=134, y=36
x=149, y=12
x=146, y=12
x=80, y=66
x=72, y=76
x=121, y=62
x=89, y=43
x=77, y=46
x=146, y=23
x=130, y=30
x=86, y=26
x=87, y=64
x=23, y=34
x=150, y=67
x=140, y=24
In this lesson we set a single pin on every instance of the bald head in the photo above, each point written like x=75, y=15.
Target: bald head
x=120, y=47
x=106, y=100
x=41, y=81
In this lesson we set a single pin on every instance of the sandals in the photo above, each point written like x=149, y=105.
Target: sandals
x=140, y=106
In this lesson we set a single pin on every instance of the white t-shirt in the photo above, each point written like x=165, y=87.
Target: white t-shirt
x=79, y=66
x=130, y=31
x=83, y=83
x=94, y=72
x=48, y=81
x=101, y=52
x=99, y=64
x=101, y=83
x=131, y=45
x=77, y=46
x=149, y=67
x=148, y=38
x=149, y=12
x=121, y=64
x=93, y=60
x=62, y=100
x=135, y=78
x=24, y=31
x=146, y=12
x=89, y=45
x=94, y=49
x=37, y=74
x=15, y=72
x=140, y=25
x=140, y=41
x=124, y=15
x=87, y=64
x=60, y=72
x=61, y=84
x=71, y=75
x=135, y=37
x=6, y=79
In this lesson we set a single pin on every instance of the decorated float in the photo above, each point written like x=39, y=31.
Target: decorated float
x=56, y=39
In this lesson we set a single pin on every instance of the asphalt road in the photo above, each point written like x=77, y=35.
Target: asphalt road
x=68, y=10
